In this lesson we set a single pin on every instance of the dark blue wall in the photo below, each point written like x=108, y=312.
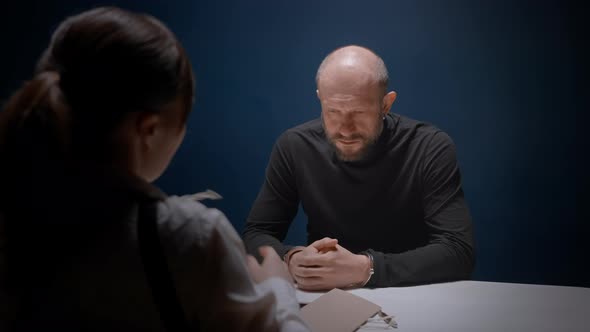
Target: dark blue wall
x=501, y=77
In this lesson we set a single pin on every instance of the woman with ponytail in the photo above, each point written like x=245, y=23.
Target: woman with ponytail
x=86, y=241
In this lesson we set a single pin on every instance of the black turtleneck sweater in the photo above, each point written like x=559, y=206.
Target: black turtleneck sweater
x=403, y=202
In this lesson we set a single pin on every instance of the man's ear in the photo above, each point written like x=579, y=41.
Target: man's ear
x=317, y=92
x=388, y=101
x=147, y=126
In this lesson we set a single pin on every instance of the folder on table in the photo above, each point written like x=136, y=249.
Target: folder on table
x=338, y=311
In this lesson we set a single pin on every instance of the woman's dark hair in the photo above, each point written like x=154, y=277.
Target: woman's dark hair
x=99, y=66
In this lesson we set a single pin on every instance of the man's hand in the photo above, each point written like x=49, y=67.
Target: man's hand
x=272, y=266
x=325, y=265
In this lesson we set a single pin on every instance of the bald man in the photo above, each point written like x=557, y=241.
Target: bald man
x=382, y=192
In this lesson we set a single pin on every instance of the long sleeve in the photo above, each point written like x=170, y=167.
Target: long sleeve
x=449, y=253
x=276, y=204
x=208, y=260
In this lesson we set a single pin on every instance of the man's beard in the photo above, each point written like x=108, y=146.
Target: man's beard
x=362, y=153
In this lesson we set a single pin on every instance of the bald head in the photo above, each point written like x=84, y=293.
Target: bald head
x=353, y=65
x=352, y=89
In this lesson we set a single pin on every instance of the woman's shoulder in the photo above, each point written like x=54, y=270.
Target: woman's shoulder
x=188, y=222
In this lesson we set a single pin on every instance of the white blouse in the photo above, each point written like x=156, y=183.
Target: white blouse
x=208, y=261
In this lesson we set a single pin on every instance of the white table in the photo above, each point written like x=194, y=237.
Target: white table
x=480, y=306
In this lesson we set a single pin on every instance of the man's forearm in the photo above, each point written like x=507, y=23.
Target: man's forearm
x=435, y=262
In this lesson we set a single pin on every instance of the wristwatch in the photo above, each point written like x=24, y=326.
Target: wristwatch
x=371, y=267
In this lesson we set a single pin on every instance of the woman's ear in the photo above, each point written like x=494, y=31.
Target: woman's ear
x=147, y=127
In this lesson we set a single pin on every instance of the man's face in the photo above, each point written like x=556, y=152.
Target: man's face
x=352, y=120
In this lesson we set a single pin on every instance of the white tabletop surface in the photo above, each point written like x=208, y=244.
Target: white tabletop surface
x=480, y=306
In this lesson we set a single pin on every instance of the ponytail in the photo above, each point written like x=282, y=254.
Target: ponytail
x=34, y=140
x=34, y=135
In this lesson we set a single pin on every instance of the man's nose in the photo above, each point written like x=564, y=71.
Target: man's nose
x=347, y=127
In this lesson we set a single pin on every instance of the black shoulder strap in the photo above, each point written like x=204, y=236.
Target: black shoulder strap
x=156, y=269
